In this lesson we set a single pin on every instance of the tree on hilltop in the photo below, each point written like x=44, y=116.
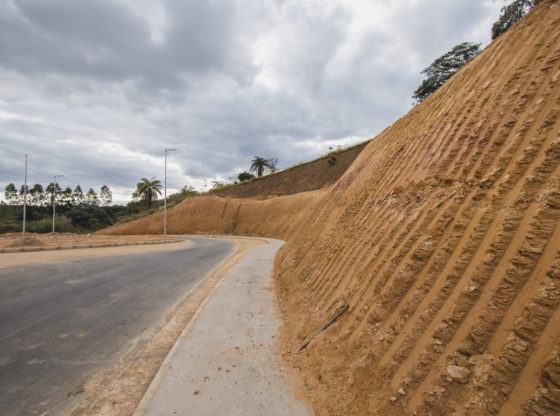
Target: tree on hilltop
x=245, y=176
x=444, y=67
x=511, y=14
x=272, y=164
x=259, y=165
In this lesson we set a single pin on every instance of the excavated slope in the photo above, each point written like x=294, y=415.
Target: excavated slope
x=276, y=218
x=443, y=237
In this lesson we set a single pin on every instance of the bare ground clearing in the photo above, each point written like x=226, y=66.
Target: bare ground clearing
x=102, y=246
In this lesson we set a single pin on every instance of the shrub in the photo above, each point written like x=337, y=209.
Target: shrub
x=63, y=224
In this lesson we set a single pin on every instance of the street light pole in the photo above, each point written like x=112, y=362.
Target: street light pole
x=165, y=193
x=54, y=200
x=24, y=198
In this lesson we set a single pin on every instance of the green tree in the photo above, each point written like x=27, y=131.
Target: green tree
x=10, y=194
x=148, y=190
x=90, y=217
x=91, y=197
x=245, y=176
x=444, y=67
x=259, y=165
x=511, y=14
x=38, y=194
x=106, y=195
x=67, y=197
x=78, y=195
x=50, y=190
x=188, y=191
x=22, y=190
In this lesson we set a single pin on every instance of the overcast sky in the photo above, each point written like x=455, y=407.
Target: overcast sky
x=96, y=90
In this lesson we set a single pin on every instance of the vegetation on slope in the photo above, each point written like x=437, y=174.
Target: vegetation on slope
x=444, y=67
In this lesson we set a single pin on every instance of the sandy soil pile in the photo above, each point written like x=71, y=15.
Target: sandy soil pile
x=443, y=237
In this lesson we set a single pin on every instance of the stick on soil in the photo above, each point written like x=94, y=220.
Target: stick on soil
x=344, y=309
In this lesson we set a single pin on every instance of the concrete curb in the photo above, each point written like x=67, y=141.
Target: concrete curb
x=93, y=245
x=141, y=409
x=191, y=380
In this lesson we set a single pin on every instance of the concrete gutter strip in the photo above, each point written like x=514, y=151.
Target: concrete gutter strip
x=77, y=246
x=225, y=362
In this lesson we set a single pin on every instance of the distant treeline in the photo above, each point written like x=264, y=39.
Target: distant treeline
x=39, y=196
x=76, y=211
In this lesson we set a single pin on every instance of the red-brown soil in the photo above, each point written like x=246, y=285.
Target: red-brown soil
x=443, y=237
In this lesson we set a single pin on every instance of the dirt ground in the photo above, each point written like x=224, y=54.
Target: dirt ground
x=73, y=240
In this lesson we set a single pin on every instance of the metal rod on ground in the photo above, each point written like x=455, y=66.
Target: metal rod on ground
x=24, y=198
x=344, y=309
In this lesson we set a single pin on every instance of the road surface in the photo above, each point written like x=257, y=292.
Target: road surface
x=62, y=322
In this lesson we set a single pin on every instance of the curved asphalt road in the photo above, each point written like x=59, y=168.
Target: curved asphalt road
x=61, y=322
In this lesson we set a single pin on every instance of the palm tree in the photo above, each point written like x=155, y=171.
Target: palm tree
x=258, y=165
x=148, y=189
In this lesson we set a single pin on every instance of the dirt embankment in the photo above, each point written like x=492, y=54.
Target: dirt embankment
x=308, y=176
x=443, y=237
x=275, y=218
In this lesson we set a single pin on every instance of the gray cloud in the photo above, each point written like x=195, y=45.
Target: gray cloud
x=97, y=90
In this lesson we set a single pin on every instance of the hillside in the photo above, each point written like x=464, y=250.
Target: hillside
x=304, y=177
x=276, y=217
x=443, y=237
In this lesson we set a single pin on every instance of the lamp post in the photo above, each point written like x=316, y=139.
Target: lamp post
x=54, y=200
x=24, y=198
x=165, y=193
